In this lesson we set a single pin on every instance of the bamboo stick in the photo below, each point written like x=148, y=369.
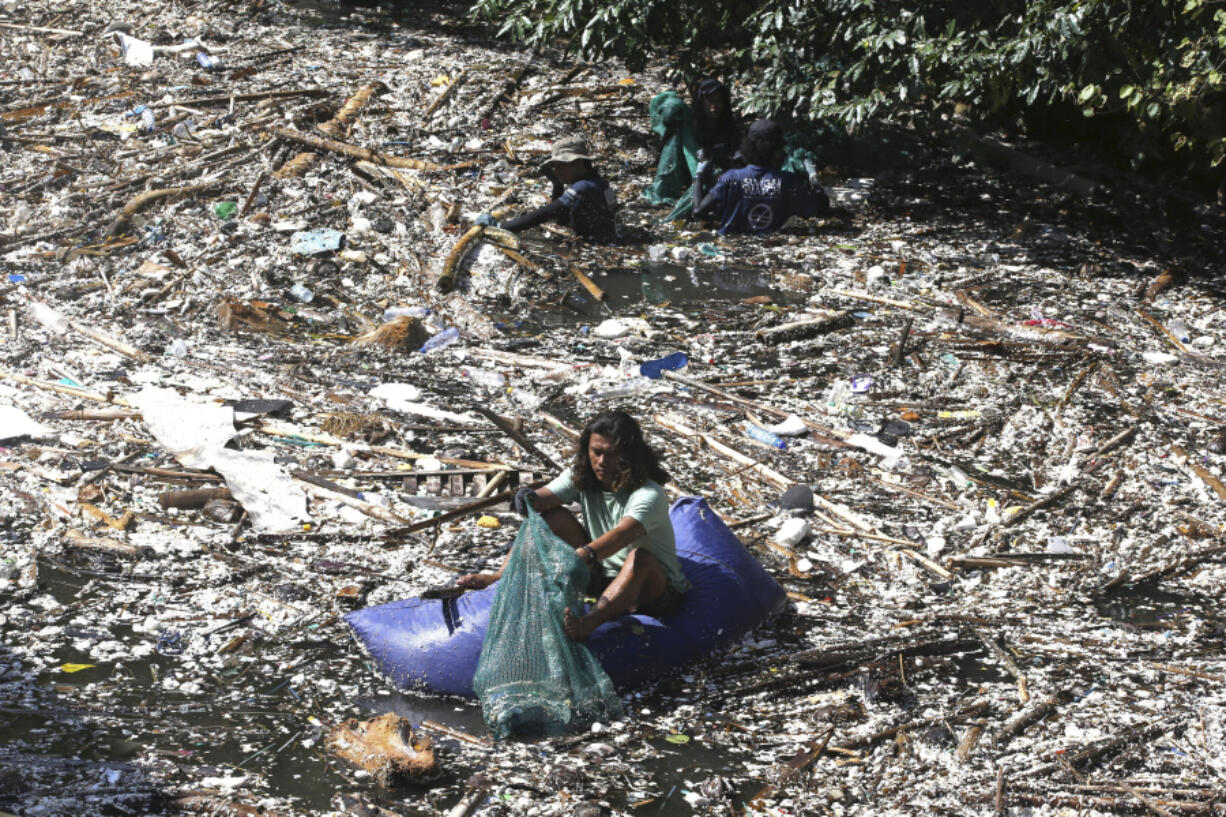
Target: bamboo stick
x=365, y=154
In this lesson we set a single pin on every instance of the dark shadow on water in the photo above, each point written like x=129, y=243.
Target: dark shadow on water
x=55, y=755
x=1147, y=606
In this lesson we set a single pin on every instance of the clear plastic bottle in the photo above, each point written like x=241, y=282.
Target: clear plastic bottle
x=628, y=367
x=394, y=312
x=445, y=338
x=631, y=386
x=485, y=378
x=526, y=399
x=48, y=317
x=837, y=402
x=1180, y=330
x=763, y=436
x=437, y=216
x=302, y=293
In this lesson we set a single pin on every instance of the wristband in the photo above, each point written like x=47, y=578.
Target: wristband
x=589, y=555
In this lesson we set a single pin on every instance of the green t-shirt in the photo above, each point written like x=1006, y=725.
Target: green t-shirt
x=602, y=510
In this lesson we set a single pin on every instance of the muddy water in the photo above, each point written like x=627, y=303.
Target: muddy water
x=230, y=732
x=655, y=284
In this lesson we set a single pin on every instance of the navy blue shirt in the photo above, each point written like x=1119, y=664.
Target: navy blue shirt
x=589, y=207
x=592, y=207
x=758, y=200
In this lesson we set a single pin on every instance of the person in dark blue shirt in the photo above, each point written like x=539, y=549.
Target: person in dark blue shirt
x=581, y=199
x=759, y=197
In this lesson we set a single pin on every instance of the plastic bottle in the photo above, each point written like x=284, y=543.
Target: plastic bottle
x=1180, y=330
x=437, y=216
x=375, y=498
x=445, y=338
x=302, y=293
x=394, y=312
x=791, y=532
x=526, y=399
x=626, y=366
x=485, y=378
x=631, y=386
x=763, y=436
x=48, y=317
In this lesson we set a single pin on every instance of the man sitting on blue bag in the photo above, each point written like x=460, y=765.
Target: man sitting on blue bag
x=759, y=197
x=617, y=479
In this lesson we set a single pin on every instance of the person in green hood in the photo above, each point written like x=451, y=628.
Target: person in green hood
x=673, y=121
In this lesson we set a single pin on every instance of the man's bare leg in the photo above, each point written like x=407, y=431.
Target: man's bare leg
x=563, y=524
x=641, y=577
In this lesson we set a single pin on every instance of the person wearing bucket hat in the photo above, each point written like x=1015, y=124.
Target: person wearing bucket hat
x=759, y=197
x=581, y=199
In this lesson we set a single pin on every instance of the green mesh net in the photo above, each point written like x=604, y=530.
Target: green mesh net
x=673, y=121
x=531, y=679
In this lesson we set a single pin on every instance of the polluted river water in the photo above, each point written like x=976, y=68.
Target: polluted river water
x=1003, y=596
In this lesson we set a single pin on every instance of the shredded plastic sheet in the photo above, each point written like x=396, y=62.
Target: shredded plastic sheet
x=403, y=398
x=532, y=679
x=196, y=434
x=15, y=424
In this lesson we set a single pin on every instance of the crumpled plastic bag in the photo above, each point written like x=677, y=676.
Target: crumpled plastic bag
x=196, y=434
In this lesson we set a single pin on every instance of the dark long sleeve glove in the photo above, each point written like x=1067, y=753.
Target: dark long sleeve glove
x=524, y=497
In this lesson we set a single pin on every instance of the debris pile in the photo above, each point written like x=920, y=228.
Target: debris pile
x=260, y=368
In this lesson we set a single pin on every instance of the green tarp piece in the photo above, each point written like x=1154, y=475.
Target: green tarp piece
x=531, y=679
x=673, y=121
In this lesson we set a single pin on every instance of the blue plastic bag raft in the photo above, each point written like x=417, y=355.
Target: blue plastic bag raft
x=433, y=645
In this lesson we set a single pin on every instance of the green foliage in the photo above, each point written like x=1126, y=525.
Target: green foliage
x=1151, y=73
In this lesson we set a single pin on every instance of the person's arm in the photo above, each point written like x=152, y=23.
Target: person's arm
x=807, y=201
x=707, y=205
x=543, y=500
x=546, y=500
x=625, y=532
x=536, y=217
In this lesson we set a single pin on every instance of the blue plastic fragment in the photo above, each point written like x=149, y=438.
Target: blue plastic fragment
x=313, y=242
x=655, y=369
x=16, y=278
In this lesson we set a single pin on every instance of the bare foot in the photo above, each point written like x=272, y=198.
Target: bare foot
x=577, y=628
x=476, y=581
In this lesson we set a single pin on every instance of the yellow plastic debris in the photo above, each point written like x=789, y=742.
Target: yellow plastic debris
x=489, y=522
x=75, y=667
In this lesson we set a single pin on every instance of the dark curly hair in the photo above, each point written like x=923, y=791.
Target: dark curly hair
x=763, y=144
x=639, y=462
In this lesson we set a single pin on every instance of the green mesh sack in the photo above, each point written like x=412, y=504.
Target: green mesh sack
x=673, y=121
x=684, y=206
x=531, y=679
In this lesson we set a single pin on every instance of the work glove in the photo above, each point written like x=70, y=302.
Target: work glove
x=815, y=181
x=704, y=164
x=485, y=220
x=524, y=498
